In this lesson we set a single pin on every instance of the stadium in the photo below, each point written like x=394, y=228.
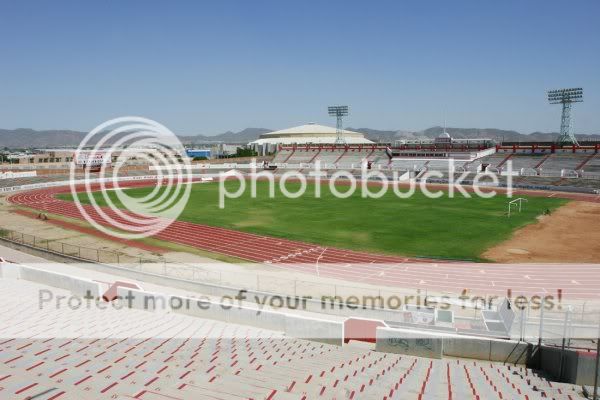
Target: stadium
x=249, y=201
x=339, y=296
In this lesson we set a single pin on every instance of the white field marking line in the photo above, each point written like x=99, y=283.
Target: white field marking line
x=552, y=195
x=297, y=253
x=427, y=273
x=382, y=272
x=317, y=262
x=458, y=288
x=450, y=283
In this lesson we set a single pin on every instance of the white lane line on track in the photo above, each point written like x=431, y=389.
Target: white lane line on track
x=318, y=258
x=383, y=271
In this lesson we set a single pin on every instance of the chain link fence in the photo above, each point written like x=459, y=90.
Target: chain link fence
x=82, y=253
x=571, y=322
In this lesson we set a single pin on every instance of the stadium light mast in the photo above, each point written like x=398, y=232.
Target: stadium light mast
x=566, y=97
x=339, y=112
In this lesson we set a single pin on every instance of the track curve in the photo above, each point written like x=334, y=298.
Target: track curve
x=573, y=280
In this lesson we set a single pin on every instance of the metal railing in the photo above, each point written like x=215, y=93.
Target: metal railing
x=553, y=326
x=82, y=253
x=201, y=273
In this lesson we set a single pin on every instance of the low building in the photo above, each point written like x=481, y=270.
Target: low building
x=192, y=153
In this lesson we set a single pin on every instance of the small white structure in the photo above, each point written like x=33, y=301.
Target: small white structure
x=303, y=135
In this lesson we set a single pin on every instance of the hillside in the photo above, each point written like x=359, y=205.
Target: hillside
x=29, y=138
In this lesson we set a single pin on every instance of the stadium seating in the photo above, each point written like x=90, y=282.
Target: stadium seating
x=302, y=156
x=558, y=162
x=327, y=156
x=520, y=161
x=408, y=165
x=593, y=165
x=282, y=156
x=159, y=355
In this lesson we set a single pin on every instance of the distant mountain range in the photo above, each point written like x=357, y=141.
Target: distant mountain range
x=466, y=133
x=29, y=138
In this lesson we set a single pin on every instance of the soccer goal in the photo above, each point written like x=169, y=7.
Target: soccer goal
x=517, y=204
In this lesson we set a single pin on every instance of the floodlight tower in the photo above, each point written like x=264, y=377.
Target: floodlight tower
x=566, y=97
x=338, y=112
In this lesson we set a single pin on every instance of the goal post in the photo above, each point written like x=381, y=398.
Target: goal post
x=517, y=204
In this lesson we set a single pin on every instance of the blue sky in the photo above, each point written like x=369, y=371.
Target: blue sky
x=208, y=67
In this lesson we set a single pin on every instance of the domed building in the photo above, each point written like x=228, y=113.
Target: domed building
x=305, y=135
x=444, y=137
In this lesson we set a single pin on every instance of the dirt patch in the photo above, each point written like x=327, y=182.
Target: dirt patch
x=92, y=232
x=569, y=234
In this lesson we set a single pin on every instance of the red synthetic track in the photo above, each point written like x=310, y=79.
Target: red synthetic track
x=575, y=281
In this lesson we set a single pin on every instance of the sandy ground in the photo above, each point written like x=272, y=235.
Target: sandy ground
x=570, y=234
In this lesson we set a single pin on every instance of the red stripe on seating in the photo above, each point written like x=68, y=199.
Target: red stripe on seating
x=60, y=358
x=25, y=388
x=33, y=366
x=104, y=369
x=81, y=349
x=41, y=352
x=162, y=369
x=272, y=394
x=184, y=375
x=12, y=359
x=83, y=380
x=56, y=396
x=58, y=373
x=106, y=389
x=128, y=375
x=151, y=380
x=80, y=364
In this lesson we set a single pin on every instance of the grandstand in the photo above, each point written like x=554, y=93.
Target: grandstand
x=539, y=166
x=121, y=352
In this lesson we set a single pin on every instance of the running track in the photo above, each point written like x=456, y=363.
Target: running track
x=574, y=280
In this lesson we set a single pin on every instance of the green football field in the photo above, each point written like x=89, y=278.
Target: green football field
x=461, y=228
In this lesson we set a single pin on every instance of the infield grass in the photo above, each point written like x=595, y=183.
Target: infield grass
x=458, y=228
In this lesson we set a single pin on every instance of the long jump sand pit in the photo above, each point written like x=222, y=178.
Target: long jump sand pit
x=569, y=234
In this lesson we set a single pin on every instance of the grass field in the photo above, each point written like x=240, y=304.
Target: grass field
x=419, y=226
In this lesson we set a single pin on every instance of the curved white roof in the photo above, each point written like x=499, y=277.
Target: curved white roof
x=308, y=129
x=310, y=133
x=310, y=140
